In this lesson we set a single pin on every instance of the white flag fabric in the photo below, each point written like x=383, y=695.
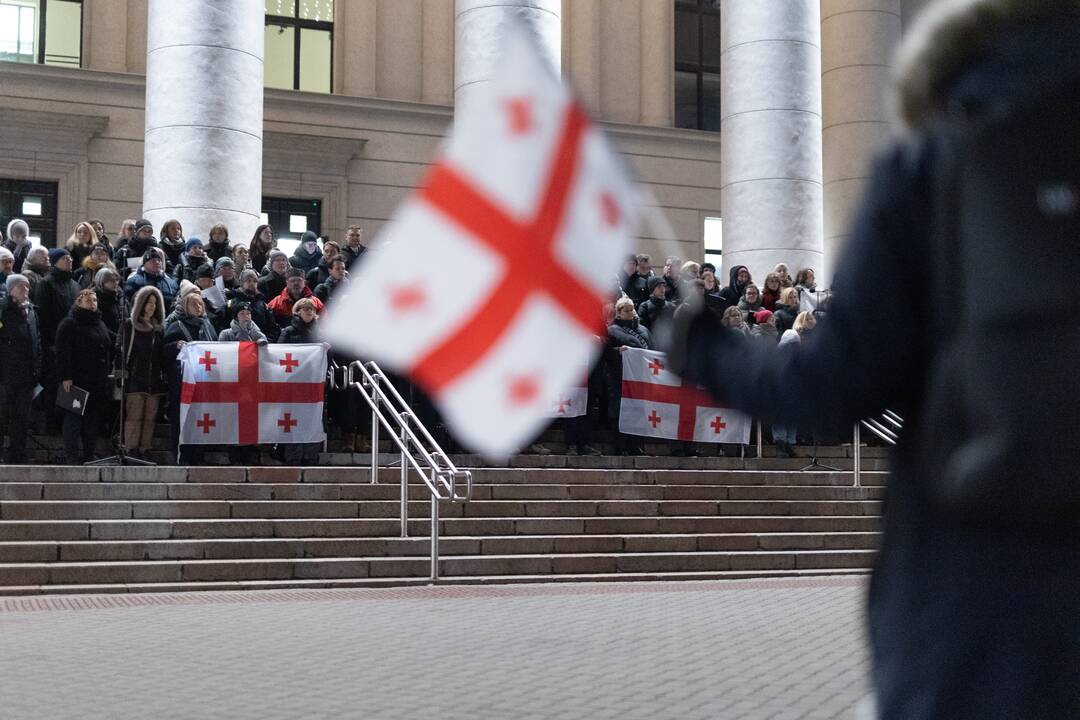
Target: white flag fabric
x=657, y=403
x=531, y=199
x=238, y=393
x=571, y=403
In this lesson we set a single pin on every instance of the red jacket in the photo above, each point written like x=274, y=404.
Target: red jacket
x=282, y=305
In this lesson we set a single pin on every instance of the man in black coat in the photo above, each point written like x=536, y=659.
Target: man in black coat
x=135, y=249
x=20, y=365
x=354, y=246
x=54, y=296
x=84, y=348
x=974, y=606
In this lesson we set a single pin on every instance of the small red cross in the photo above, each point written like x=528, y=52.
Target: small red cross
x=563, y=404
x=205, y=423
x=656, y=366
x=687, y=396
x=523, y=390
x=654, y=419
x=610, y=209
x=287, y=422
x=289, y=364
x=520, y=112
x=207, y=359
x=406, y=299
x=718, y=425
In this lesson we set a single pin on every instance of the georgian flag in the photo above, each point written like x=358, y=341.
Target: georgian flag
x=569, y=403
x=531, y=199
x=240, y=393
x=657, y=403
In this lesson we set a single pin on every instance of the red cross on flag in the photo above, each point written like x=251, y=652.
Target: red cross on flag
x=494, y=273
x=244, y=394
x=657, y=403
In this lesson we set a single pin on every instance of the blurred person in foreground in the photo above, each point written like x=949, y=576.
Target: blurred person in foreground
x=974, y=605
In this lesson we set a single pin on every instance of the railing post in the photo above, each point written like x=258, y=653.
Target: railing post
x=760, y=441
x=404, y=480
x=858, y=455
x=434, y=538
x=374, y=430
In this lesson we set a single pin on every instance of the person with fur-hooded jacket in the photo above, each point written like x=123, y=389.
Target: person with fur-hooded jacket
x=20, y=364
x=974, y=605
x=17, y=240
x=88, y=270
x=140, y=348
x=738, y=279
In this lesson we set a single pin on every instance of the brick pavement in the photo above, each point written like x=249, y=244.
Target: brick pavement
x=747, y=649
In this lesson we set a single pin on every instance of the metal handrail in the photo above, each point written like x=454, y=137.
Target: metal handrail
x=878, y=428
x=418, y=448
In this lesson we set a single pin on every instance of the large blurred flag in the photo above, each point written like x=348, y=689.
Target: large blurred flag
x=488, y=289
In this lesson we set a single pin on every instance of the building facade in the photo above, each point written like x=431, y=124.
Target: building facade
x=358, y=94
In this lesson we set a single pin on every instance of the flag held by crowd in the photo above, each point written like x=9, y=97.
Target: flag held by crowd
x=528, y=195
x=246, y=394
x=657, y=403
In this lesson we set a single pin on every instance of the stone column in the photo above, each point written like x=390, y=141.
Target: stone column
x=771, y=197
x=204, y=115
x=479, y=26
x=657, y=51
x=856, y=64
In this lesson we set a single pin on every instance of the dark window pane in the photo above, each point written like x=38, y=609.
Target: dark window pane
x=710, y=101
x=710, y=40
x=686, y=36
x=686, y=100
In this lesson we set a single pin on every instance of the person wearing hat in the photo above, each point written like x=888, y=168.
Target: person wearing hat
x=764, y=328
x=271, y=284
x=36, y=265
x=91, y=264
x=248, y=291
x=142, y=240
x=18, y=241
x=656, y=308
x=193, y=258
x=307, y=254
x=242, y=327
x=7, y=267
x=225, y=269
x=54, y=296
x=152, y=273
x=20, y=364
x=84, y=353
x=295, y=289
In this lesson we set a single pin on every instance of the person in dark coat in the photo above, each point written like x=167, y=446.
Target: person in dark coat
x=91, y=264
x=172, y=244
x=248, y=292
x=81, y=243
x=193, y=258
x=671, y=277
x=273, y=282
x=318, y=275
x=639, y=285
x=301, y=330
x=974, y=605
x=190, y=325
x=36, y=266
x=787, y=310
x=18, y=242
x=20, y=365
x=625, y=330
x=84, y=348
x=656, y=309
x=152, y=273
x=140, y=347
x=354, y=246
x=225, y=269
x=218, y=245
x=136, y=248
x=628, y=275
x=738, y=279
x=307, y=255
x=336, y=283
x=54, y=298
x=112, y=304
x=262, y=242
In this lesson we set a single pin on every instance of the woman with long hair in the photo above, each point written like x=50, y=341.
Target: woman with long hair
x=81, y=243
x=172, y=242
x=262, y=242
x=140, y=347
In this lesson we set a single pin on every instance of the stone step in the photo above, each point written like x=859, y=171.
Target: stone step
x=188, y=529
x=273, y=509
x=177, y=571
x=17, y=491
x=249, y=548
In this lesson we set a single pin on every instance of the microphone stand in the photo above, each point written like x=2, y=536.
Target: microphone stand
x=121, y=457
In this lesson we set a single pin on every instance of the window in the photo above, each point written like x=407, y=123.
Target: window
x=714, y=241
x=299, y=45
x=41, y=31
x=290, y=218
x=697, y=64
x=34, y=202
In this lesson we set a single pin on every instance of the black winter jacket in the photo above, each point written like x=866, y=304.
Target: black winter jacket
x=113, y=308
x=298, y=331
x=54, y=297
x=84, y=351
x=271, y=285
x=185, y=269
x=653, y=310
x=20, y=344
x=352, y=255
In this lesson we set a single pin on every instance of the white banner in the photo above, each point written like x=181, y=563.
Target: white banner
x=242, y=394
x=657, y=403
x=572, y=403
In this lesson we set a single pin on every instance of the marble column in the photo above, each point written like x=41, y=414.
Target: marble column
x=479, y=26
x=857, y=45
x=771, y=197
x=204, y=115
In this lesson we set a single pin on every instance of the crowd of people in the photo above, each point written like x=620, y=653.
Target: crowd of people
x=97, y=310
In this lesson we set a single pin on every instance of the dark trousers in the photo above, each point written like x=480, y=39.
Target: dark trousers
x=301, y=453
x=15, y=419
x=80, y=427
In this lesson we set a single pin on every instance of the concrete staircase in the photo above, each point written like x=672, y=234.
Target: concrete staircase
x=77, y=529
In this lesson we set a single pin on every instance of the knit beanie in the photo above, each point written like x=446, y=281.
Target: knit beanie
x=5, y=254
x=14, y=279
x=192, y=242
x=153, y=252
x=654, y=281
x=224, y=262
x=236, y=306
x=206, y=270
x=275, y=253
x=187, y=287
x=19, y=224
x=762, y=316
x=56, y=254
x=249, y=273
x=141, y=223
